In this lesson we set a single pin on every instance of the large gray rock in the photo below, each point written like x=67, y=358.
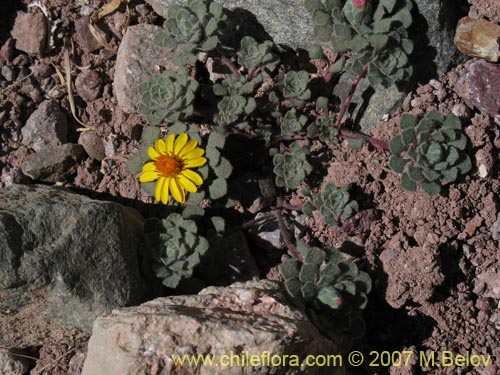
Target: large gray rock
x=286, y=21
x=251, y=318
x=64, y=260
x=138, y=57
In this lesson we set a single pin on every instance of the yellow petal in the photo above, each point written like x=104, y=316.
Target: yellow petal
x=193, y=176
x=190, y=146
x=164, y=191
x=148, y=176
x=196, y=153
x=196, y=162
x=160, y=146
x=187, y=184
x=153, y=154
x=180, y=142
x=177, y=191
x=169, y=144
x=158, y=188
x=149, y=167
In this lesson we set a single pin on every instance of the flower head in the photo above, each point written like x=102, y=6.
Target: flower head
x=172, y=159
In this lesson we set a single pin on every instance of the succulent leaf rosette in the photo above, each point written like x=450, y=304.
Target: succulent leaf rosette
x=331, y=290
x=430, y=151
x=253, y=55
x=167, y=96
x=334, y=203
x=291, y=167
x=191, y=28
x=294, y=87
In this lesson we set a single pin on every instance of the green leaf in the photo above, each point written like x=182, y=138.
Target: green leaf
x=397, y=164
x=408, y=183
x=330, y=297
x=407, y=136
x=192, y=211
x=396, y=145
x=408, y=121
x=219, y=223
x=465, y=166
x=150, y=134
x=134, y=165
x=218, y=188
x=315, y=52
x=224, y=169
x=431, y=188
x=322, y=103
x=290, y=269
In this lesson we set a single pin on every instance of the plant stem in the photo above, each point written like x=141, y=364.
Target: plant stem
x=285, y=233
x=347, y=101
x=377, y=143
x=228, y=63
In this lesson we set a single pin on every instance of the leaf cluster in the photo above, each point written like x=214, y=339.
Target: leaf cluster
x=177, y=246
x=331, y=290
x=167, y=96
x=429, y=151
x=324, y=128
x=291, y=167
x=191, y=28
x=294, y=87
x=334, y=203
x=253, y=55
x=236, y=102
x=376, y=35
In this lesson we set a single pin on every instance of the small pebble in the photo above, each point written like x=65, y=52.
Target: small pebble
x=8, y=73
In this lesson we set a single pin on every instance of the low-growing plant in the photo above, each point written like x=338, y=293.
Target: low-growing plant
x=177, y=247
x=430, y=152
x=333, y=203
x=261, y=94
x=331, y=290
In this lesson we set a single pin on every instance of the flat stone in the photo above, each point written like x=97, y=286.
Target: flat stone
x=489, y=9
x=84, y=37
x=285, y=21
x=46, y=127
x=66, y=259
x=138, y=57
x=30, y=32
x=93, y=145
x=252, y=318
x=53, y=165
x=478, y=38
x=478, y=87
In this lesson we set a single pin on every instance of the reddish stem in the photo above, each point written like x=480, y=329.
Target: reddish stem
x=377, y=143
x=348, y=99
x=228, y=63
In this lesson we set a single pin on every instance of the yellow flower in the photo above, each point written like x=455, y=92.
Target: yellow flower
x=172, y=159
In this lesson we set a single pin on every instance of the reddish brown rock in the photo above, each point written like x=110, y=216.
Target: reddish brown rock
x=93, y=145
x=478, y=87
x=30, y=32
x=84, y=37
x=88, y=85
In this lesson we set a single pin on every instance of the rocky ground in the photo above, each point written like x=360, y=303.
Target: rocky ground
x=434, y=261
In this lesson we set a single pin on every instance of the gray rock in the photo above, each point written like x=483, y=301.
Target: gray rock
x=65, y=260
x=88, y=85
x=11, y=365
x=369, y=106
x=46, y=127
x=286, y=21
x=93, y=145
x=487, y=284
x=138, y=57
x=8, y=73
x=53, y=165
x=252, y=318
x=434, y=28
x=30, y=32
x=478, y=87
x=84, y=37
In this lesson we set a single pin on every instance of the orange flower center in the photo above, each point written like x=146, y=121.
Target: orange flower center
x=168, y=166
